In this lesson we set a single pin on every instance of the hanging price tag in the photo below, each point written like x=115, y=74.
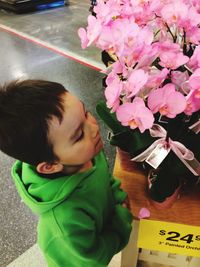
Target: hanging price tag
x=169, y=237
x=156, y=157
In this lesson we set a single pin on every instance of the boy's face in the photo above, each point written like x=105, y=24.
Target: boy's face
x=76, y=140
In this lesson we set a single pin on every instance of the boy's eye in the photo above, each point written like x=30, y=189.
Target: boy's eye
x=80, y=137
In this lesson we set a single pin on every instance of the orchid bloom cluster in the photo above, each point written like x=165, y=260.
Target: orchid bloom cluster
x=156, y=45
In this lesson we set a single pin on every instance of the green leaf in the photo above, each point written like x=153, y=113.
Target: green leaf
x=109, y=118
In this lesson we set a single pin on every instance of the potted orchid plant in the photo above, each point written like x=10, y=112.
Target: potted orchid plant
x=152, y=86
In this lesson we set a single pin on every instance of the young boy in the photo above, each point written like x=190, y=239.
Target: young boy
x=62, y=174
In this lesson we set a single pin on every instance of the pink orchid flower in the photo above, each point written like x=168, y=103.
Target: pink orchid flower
x=167, y=46
x=194, y=61
x=106, y=40
x=173, y=60
x=193, y=35
x=193, y=102
x=144, y=213
x=183, y=16
x=135, y=54
x=107, y=10
x=112, y=93
x=193, y=98
x=125, y=35
x=146, y=35
x=194, y=17
x=174, y=12
x=117, y=36
x=140, y=50
x=141, y=11
x=179, y=79
x=110, y=78
x=140, y=2
x=83, y=36
x=119, y=67
x=147, y=56
x=136, y=81
x=155, y=79
x=128, y=9
x=167, y=101
x=194, y=80
x=196, y=4
x=157, y=5
x=137, y=32
x=92, y=32
x=135, y=115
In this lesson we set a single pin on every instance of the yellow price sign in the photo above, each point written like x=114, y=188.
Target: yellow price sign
x=169, y=237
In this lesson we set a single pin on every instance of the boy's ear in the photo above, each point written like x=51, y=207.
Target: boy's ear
x=48, y=168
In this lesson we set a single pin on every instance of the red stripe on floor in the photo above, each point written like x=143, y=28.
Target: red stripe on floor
x=37, y=42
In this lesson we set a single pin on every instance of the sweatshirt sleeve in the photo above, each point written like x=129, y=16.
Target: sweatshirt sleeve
x=82, y=246
x=118, y=194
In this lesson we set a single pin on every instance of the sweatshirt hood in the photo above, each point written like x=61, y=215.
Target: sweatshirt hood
x=42, y=194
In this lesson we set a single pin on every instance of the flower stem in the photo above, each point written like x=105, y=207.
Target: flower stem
x=169, y=30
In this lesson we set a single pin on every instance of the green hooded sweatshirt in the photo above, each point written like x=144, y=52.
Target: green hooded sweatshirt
x=81, y=220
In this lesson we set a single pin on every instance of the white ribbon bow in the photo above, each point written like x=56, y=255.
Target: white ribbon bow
x=184, y=154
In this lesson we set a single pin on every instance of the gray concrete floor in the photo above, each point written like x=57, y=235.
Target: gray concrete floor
x=20, y=58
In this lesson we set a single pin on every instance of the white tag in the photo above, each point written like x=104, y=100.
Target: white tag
x=159, y=153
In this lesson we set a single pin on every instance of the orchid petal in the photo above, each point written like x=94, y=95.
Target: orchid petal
x=144, y=213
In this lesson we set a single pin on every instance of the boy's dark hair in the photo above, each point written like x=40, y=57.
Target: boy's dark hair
x=25, y=110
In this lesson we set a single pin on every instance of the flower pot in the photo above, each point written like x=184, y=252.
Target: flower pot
x=168, y=201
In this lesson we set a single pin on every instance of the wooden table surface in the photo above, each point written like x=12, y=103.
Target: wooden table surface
x=185, y=210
